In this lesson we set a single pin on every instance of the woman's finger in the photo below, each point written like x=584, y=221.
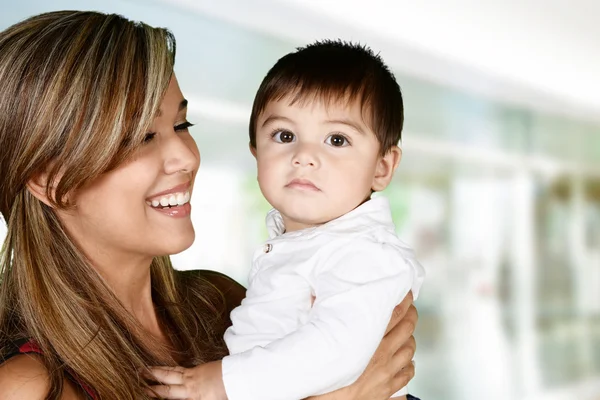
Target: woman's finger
x=402, y=378
x=399, y=334
x=400, y=311
x=404, y=356
x=167, y=375
x=173, y=392
x=403, y=329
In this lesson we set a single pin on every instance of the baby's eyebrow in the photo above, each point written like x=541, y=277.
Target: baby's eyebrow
x=347, y=122
x=274, y=118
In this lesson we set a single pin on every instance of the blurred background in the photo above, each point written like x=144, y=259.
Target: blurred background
x=498, y=190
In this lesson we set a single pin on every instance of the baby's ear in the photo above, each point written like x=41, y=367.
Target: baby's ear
x=252, y=149
x=386, y=165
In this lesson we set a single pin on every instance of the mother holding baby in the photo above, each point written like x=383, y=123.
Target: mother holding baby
x=97, y=169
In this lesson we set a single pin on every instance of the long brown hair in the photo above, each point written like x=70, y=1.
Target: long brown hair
x=79, y=90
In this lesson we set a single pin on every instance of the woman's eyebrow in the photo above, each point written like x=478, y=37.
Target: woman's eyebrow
x=182, y=106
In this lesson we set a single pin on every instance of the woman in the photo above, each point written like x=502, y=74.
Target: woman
x=97, y=169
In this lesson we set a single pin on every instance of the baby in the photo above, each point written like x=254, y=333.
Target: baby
x=324, y=130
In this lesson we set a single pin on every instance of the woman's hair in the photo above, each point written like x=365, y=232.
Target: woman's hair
x=78, y=91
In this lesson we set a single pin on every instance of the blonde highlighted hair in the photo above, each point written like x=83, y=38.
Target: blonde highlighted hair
x=79, y=90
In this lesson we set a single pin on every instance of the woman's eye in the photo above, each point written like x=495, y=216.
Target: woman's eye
x=178, y=128
x=337, y=141
x=284, y=137
x=149, y=136
x=183, y=127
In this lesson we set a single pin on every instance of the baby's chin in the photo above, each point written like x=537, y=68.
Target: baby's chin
x=302, y=219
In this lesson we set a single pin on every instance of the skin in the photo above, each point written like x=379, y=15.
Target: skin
x=307, y=155
x=329, y=146
x=25, y=377
x=389, y=370
x=113, y=225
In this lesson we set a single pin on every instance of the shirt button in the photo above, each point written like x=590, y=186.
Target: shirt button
x=268, y=247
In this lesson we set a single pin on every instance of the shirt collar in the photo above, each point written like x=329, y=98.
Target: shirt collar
x=373, y=212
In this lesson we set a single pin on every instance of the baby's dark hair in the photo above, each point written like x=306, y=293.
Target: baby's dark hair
x=332, y=71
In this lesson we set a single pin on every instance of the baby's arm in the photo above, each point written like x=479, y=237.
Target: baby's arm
x=356, y=291
x=389, y=369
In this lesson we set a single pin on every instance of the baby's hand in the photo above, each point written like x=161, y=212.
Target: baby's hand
x=203, y=382
x=175, y=383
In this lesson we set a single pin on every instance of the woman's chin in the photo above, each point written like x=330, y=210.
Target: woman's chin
x=175, y=245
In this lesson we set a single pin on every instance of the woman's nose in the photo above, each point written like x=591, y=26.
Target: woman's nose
x=181, y=154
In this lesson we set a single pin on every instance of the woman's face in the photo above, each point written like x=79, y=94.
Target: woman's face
x=141, y=209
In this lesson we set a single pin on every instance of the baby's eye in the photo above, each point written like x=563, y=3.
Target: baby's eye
x=337, y=140
x=283, y=136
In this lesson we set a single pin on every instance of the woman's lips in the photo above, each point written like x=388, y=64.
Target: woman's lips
x=184, y=187
x=181, y=211
x=174, y=202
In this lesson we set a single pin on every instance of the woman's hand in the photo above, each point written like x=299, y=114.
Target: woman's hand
x=391, y=366
x=203, y=382
x=389, y=370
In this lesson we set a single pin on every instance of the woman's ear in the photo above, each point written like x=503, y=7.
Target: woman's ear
x=38, y=187
x=386, y=165
x=252, y=149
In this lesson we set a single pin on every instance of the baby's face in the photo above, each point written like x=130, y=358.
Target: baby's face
x=315, y=162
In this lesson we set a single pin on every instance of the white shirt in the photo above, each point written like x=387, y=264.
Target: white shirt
x=282, y=346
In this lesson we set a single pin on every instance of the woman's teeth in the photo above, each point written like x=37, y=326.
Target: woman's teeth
x=174, y=199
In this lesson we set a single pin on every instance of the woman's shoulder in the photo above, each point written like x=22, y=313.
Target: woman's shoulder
x=23, y=377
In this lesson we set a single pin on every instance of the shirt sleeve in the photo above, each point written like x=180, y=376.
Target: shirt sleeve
x=356, y=291
x=260, y=321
